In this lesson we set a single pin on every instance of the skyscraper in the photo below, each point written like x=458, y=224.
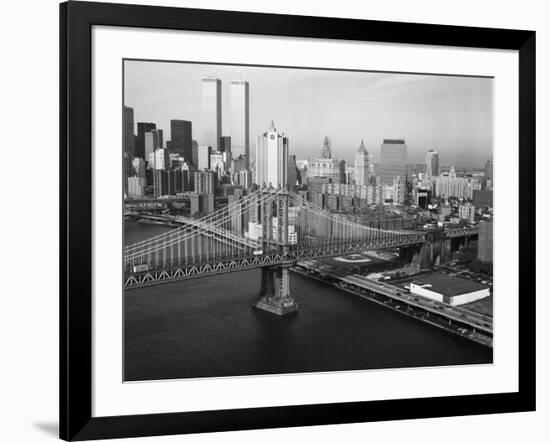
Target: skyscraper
x=393, y=161
x=361, y=172
x=181, y=140
x=272, y=158
x=225, y=144
x=142, y=129
x=203, y=161
x=129, y=144
x=292, y=173
x=211, y=92
x=485, y=242
x=326, y=152
x=488, y=181
x=240, y=124
x=432, y=163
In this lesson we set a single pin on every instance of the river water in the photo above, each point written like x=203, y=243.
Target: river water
x=206, y=327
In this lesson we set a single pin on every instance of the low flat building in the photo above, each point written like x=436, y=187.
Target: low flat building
x=449, y=289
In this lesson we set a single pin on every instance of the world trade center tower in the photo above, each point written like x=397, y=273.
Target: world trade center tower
x=211, y=89
x=240, y=138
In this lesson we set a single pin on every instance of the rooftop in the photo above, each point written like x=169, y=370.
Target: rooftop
x=448, y=285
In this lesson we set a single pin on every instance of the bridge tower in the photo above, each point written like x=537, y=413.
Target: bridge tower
x=274, y=296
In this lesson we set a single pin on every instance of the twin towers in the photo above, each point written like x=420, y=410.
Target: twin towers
x=211, y=116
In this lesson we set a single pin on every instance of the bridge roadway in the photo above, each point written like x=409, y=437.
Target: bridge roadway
x=476, y=321
x=172, y=271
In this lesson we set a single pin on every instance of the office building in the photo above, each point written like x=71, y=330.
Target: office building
x=159, y=160
x=393, y=161
x=467, y=212
x=225, y=144
x=489, y=175
x=160, y=182
x=483, y=198
x=181, y=140
x=272, y=159
x=449, y=185
x=240, y=121
x=361, y=171
x=292, y=174
x=194, y=153
x=204, y=182
x=432, y=163
x=211, y=112
x=333, y=169
x=238, y=164
x=220, y=162
x=204, y=157
x=177, y=181
x=128, y=131
x=245, y=178
x=485, y=242
x=136, y=187
x=142, y=129
x=138, y=166
x=153, y=141
x=326, y=151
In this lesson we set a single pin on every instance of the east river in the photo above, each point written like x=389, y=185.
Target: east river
x=206, y=327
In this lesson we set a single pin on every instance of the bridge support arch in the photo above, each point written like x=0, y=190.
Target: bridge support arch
x=274, y=296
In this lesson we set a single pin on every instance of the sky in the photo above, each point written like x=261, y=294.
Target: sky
x=453, y=115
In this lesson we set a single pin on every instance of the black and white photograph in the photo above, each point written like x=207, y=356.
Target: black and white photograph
x=294, y=220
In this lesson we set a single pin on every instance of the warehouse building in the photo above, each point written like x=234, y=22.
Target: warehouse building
x=449, y=289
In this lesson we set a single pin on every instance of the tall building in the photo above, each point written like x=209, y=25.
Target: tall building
x=467, y=212
x=326, y=152
x=159, y=159
x=153, y=141
x=489, y=175
x=361, y=172
x=449, y=185
x=160, y=182
x=485, y=241
x=245, y=178
x=181, y=140
x=432, y=163
x=225, y=144
x=272, y=159
x=292, y=174
x=204, y=182
x=136, y=187
x=333, y=169
x=211, y=111
x=194, y=153
x=240, y=121
x=204, y=157
x=128, y=131
x=142, y=129
x=138, y=165
x=393, y=161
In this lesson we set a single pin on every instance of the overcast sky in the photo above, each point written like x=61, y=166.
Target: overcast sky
x=453, y=115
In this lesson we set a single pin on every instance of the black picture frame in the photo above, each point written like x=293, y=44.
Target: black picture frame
x=76, y=21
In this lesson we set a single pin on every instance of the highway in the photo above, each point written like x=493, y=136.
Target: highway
x=471, y=325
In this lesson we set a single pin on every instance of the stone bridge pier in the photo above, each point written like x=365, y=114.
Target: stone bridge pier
x=274, y=296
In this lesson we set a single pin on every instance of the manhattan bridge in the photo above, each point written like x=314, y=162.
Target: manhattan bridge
x=268, y=229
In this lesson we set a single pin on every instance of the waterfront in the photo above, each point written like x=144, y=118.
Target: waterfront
x=206, y=327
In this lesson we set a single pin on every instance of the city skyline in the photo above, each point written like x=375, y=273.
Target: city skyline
x=372, y=219
x=304, y=103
